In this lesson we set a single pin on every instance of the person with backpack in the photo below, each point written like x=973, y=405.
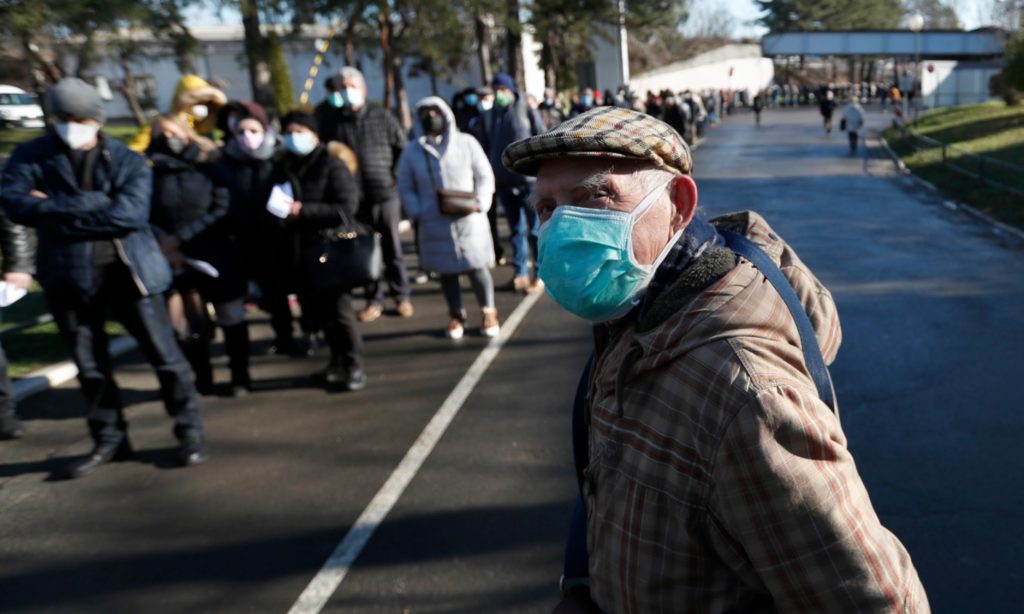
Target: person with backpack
x=511, y=119
x=714, y=474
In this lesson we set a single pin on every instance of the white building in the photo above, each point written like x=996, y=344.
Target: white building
x=736, y=67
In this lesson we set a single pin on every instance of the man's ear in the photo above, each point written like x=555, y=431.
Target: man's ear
x=684, y=198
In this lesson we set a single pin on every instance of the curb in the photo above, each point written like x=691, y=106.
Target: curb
x=998, y=227
x=62, y=372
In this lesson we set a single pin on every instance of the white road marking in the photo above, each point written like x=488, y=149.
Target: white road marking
x=326, y=581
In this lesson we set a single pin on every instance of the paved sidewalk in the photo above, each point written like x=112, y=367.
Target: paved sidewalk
x=928, y=373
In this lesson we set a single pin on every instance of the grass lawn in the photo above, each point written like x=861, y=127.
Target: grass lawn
x=11, y=137
x=993, y=130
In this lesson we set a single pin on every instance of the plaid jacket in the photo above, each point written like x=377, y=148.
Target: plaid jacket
x=718, y=481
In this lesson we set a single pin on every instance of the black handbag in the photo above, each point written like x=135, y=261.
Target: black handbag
x=456, y=203
x=344, y=259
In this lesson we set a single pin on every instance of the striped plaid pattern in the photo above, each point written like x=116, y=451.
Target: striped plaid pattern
x=718, y=481
x=605, y=132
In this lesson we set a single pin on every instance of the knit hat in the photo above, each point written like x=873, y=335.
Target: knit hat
x=503, y=80
x=603, y=132
x=75, y=98
x=301, y=118
x=255, y=111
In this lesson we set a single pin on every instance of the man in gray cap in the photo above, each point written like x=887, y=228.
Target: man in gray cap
x=88, y=196
x=714, y=473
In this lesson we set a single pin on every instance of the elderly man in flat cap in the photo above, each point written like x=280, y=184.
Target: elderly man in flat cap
x=88, y=197
x=714, y=472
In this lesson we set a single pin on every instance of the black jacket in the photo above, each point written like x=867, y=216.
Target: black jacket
x=263, y=238
x=191, y=201
x=328, y=193
x=69, y=220
x=377, y=139
x=16, y=248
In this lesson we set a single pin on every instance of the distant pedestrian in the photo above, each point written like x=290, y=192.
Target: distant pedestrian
x=325, y=200
x=18, y=269
x=377, y=139
x=827, y=107
x=510, y=120
x=758, y=107
x=454, y=243
x=190, y=207
x=853, y=122
x=88, y=197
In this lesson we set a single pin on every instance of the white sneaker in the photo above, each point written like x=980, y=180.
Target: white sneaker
x=490, y=327
x=455, y=329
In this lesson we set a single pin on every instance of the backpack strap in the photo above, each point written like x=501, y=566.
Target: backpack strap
x=808, y=341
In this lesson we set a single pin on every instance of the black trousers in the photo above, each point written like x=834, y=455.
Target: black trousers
x=333, y=312
x=7, y=402
x=384, y=217
x=81, y=320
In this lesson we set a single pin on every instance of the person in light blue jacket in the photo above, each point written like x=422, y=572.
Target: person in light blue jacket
x=442, y=158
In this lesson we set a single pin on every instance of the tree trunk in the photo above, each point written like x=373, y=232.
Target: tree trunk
x=384, y=37
x=514, y=46
x=483, y=49
x=401, y=95
x=129, y=93
x=549, y=58
x=255, y=52
x=51, y=71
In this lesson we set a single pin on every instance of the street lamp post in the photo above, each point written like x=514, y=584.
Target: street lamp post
x=915, y=24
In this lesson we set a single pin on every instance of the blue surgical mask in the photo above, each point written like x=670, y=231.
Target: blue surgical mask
x=471, y=100
x=586, y=259
x=586, y=100
x=335, y=100
x=300, y=143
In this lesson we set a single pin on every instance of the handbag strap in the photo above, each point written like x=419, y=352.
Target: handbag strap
x=576, y=571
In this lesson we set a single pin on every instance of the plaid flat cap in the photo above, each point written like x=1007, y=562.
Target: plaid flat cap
x=603, y=132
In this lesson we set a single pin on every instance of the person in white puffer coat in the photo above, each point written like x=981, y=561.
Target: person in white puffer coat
x=441, y=157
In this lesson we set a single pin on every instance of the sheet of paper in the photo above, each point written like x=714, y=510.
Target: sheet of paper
x=280, y=201
x=10, y=294
x=203, y=267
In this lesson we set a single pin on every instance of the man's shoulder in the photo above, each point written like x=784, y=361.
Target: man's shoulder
x=34, y=150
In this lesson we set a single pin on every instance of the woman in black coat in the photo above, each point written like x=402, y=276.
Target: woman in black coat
x=189, y=209
x=325, y=198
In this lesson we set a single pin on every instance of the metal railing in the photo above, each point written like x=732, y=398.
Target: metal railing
x=987, y=170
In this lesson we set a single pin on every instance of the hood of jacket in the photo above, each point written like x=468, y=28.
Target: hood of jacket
x=721, y=296
x=447, y=134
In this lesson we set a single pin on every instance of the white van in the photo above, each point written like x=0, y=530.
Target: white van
x=19, y=108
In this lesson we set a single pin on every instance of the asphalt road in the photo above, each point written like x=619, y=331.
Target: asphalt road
x=929, y=300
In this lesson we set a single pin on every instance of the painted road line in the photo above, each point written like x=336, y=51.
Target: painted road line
x=326, y=581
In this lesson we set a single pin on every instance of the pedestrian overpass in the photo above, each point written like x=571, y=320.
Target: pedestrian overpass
x=982, y=44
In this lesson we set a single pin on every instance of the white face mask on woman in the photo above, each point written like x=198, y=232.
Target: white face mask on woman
x=75, y=134
x=300, y=143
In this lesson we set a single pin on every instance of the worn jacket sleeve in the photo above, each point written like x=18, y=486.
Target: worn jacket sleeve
x=483, y=176
x=408, y=186
x=220, y=203
x=128, y=208
x=396, y=138
x=17, y=251
x=789, y=510
x=20, y=178
x=342, y=195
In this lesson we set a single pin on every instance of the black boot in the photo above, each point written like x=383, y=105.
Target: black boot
x=236, y=345
x=100, y=455
x=192, y=450
x=10, y=426
x=197, y=352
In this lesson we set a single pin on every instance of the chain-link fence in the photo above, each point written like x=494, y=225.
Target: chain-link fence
x=985, y=169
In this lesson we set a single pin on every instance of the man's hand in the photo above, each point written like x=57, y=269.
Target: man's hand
x=296, y=208
x=38, y=194
x=18, y=280
x=175, y=258
x=169, y=244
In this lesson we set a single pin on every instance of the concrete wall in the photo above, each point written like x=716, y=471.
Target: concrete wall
x=737, y=74
x=955, y=83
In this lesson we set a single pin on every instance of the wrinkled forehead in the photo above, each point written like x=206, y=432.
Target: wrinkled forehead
x=561, y=175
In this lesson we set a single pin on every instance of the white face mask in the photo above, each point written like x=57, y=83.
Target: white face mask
x=487, y=104
x=200, y=111
x=300, y=143
x=353, y=97
x=77, y=135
